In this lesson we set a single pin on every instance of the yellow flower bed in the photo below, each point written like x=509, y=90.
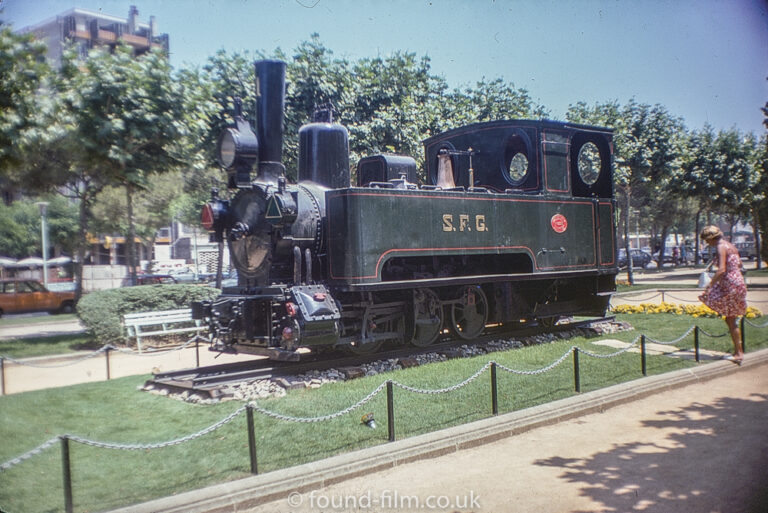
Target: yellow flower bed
x=692, y=310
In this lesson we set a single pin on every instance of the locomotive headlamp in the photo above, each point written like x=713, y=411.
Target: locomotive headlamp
x=238, y=149
x=238, y=146
x=227, y=148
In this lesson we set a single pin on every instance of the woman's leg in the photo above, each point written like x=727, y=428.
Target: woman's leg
x=733, y=327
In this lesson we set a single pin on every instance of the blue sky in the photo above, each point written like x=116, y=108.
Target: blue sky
x=704, y=60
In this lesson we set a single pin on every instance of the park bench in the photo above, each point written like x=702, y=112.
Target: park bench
x=165, y=322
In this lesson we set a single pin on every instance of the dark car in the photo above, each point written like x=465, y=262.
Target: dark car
x=21, y=295
x=639, y=258
x=747, y=250
x=151, y=279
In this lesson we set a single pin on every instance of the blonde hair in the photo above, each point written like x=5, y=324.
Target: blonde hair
x=710, y=232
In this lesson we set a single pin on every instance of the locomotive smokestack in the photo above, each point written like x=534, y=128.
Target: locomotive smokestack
x=270, y=90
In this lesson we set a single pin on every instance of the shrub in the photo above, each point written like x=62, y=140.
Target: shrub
x=102, y=312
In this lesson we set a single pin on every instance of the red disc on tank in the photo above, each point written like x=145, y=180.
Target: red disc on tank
x=559, y=223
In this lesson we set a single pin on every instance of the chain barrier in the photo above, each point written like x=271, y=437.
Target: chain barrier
x=102, y=349
x=673, y=342
x=756, y=325
x=710, y=335
x=539, y=371
x=278, y=416
x=667, y=294
x=288, y=418
x=34, y=452
x=55, y=366
x=159, y=352
x=444, y=390
x=611, y=355
x=141, y=447
x=630, y=297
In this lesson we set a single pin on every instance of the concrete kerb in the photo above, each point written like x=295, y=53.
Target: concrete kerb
x=250, y=492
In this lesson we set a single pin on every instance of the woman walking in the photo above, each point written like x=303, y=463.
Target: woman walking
x=726, y=294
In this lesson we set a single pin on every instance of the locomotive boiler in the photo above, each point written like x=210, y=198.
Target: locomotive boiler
x=514, y=225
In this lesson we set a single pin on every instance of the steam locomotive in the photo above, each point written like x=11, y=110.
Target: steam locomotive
x=515, y=225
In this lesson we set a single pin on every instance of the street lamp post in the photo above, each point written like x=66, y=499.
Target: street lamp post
x=44, y=229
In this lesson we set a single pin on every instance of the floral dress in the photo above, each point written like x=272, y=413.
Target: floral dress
x=728, y=296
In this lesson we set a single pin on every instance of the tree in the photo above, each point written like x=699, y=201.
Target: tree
x=128, y=117
x=23, y=72
x=20, y=234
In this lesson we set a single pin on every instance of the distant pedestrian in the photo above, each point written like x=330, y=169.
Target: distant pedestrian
x=726, y=294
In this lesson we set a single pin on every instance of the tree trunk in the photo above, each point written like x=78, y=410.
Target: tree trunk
x=756, y=233
x=663, y=245
x=697, y=242
x=82, y=242
x=131, y=239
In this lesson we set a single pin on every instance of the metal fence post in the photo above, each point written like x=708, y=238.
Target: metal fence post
x=576, y=374
x=67, y=472
x=494, y=390
x=390, y=411
x=643, y=361
x=743, y=335
x=696, y=343
x=251, y=438
x=106, y=355
x=2, y=375
x=197, y=351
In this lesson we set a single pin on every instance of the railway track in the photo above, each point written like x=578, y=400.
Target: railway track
x=212, y=381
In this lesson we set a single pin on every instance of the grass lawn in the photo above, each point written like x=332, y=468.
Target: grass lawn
x=42, y=346
x=115, y=411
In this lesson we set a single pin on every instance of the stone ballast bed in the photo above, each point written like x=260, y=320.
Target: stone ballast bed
x=279, y=386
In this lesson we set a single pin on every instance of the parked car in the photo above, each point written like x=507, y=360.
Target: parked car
x=152, y=279
x=229, y=280
x=747, y=250
x=187, y=276
x=23, y=295
x=639, y=258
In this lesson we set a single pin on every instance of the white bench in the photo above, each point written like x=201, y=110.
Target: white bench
x=163, y=323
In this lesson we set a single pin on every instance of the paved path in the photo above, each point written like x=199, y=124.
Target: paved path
x=701, y=448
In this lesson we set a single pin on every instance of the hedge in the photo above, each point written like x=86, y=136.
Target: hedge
x=102, y=312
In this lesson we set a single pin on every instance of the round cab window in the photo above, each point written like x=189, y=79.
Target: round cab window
x=589, y=163
x=518, y=167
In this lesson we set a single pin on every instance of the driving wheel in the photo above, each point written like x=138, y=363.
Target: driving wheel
x=427, y=317
x=469, y=313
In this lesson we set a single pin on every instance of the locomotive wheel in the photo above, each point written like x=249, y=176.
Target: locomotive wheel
x=469, y=313
x=396, y=326
x=427, y=317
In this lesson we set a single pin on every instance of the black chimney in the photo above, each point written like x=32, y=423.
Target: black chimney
x=270, y=91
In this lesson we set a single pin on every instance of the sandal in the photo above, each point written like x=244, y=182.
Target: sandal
x=733, y=359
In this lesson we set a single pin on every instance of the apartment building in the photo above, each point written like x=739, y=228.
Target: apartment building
x=88, y=29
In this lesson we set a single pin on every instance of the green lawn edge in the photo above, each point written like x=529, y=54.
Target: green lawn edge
x=116, y=411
